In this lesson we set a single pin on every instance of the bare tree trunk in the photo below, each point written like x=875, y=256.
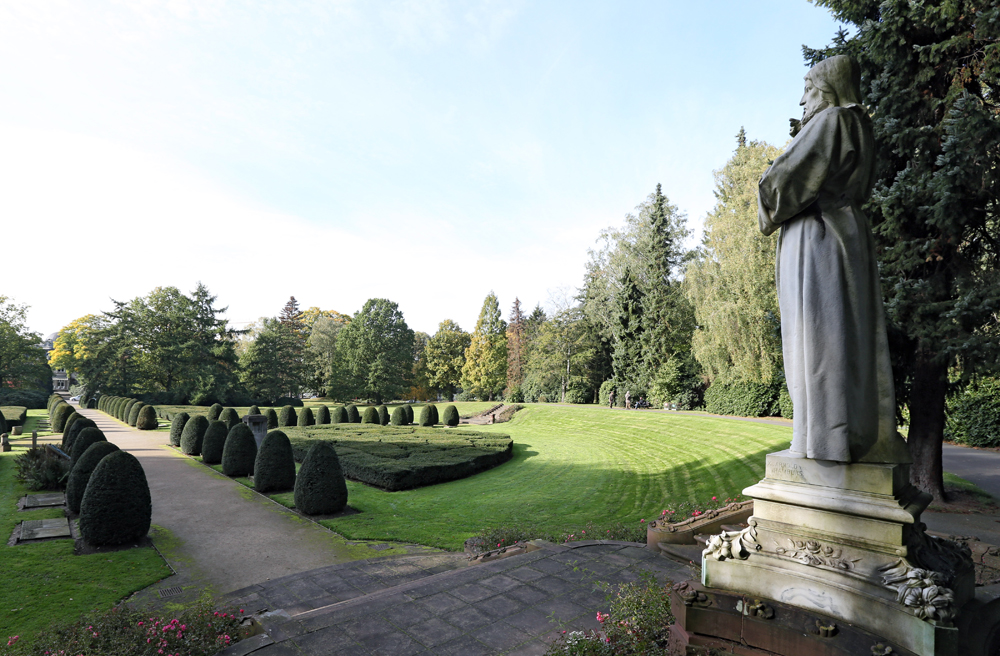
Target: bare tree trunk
x=927, y=424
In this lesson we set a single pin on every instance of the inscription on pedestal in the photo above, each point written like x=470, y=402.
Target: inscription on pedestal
x=785, y=471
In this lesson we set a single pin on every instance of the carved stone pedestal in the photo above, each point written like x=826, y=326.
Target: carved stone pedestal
x=846, y=542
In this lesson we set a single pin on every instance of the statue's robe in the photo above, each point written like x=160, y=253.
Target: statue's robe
x=832, y=320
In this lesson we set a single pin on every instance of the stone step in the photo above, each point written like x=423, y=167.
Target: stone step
x=682, y=553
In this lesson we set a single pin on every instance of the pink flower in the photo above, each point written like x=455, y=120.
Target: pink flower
x=713, y=498
x=641, y=521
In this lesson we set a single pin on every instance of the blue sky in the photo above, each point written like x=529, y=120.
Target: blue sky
x=419, y=150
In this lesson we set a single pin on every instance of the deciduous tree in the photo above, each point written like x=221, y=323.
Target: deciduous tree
x=378, y=349
x=485, y=371
x=445, y=354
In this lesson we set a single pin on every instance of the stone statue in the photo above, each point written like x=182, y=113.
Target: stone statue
x=832, y=320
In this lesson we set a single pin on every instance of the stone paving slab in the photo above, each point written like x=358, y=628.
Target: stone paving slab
x=42, y=529
x=516, y=605
x=44, y=500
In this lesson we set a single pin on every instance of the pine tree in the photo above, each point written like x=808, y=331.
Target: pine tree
x=627, y=354
x=515, y=346
x=485, y=370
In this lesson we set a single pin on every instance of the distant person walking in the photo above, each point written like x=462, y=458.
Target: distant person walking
x=611, y=399
x=628, y=398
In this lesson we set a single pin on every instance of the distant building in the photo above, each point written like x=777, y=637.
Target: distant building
x=61, y=381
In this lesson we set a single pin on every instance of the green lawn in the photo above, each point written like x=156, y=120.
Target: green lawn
x=574, y=465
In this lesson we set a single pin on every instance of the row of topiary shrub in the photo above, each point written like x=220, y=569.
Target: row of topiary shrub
x=131, y=411
x=287, y=415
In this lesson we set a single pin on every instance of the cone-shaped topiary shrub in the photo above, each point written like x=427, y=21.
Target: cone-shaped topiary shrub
x=370, y=415
x=339, y=415
x=133, y=414
x=127, y=410
x=240, y=451
x=230, y=416
x=92, y=404
x=193, y=435
x=322, y=414
x=353, y=416
x=409, y=413
x=214, y=411
x=398, y=416
x=287, y=416
x=67, y=427
x=272, y=418
x=320, y=488
x=450, y=416
x=383, y=415
x=428, y=415
x=305, y=418
x=116, y=506
x=274, y=468
x=147, y=418
x=60, y=415
x=80, y=474
x=177, y=427
x=86, y=437
x=214, y=442
x=254, y=410
x=74, y=431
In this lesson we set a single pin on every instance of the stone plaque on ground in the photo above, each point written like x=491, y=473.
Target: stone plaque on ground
x=44, y=500
x=37, y=529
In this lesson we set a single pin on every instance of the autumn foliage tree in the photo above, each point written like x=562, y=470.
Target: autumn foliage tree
x=485, y=371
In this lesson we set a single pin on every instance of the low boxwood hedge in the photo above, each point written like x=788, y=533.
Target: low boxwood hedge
x=14, y=415
x=973, y=416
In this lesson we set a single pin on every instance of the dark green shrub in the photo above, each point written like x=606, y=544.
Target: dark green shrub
x=743, y=399
x=60, y=415
x=339, y=415
x=288, y=400
x=86, y=437
x=428, y=415
x=116, y=506
x=254, y=410
x=305, y=418
x=214, y=442
x=80, y=474
x=147, y=418
x=287, y=416
x=214, y=411
x=370, y=415
x=973, y=416
x=383, y=415
x=320, y=488
x=274, y=468
x=230, y=416
x=322, y=414
x=398, y=417
x=74, y=431
x=133, y=414
x=92, y=404
x=353, y=416
x=784, y=403
x=127, y=410
x=409, y=413
x=272, y=419
x=68, y=426
x=193, y=435
x=450, y=416
x=116, y=411
x=239, y=452
x=41, y=469
x=177, y=427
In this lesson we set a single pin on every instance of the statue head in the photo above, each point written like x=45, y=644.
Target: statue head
x=834, y=82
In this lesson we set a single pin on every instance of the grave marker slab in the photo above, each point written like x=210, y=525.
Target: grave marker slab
x=44, y=500
x=38, y=529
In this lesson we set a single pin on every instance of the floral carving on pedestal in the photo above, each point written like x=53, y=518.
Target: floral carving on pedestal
x=920, y=590
x=811, y=552
x=732, y=545
x=692, y=596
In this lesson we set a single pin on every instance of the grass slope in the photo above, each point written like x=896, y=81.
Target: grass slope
x=573, y=465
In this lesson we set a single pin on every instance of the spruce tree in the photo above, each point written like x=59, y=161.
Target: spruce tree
x=626, y=357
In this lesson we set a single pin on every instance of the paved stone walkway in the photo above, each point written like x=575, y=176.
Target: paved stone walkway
x=516, y=605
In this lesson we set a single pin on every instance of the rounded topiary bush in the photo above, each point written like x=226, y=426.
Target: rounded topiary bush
x=67, y=427
x=370, y=415
x=287, y=416
x=274, y=468
x=339, y=415
x=383, y=415
x=230, y=416
x=213, y=442
x=254, y=410
x=60, y=415
x=398, y=417
x=272, y=418
x=353, y=416
x=193, y=435
x=450, y=416
x=70, y=436
x=133, y=414
x=428, y=415
x=92, y=404
x=214, y=411
x=177, y=427
x=409, y=413
x=239, y=452
x=86, y=437
x=147, y=418
x=116, y=506
x=320, y=488
x=973, y=416
x=305, y=418
x=127, y=410
x=322, y=415
x=80, y=474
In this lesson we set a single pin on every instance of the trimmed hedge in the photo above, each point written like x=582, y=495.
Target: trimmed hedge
x=147, y=418
x=398, y=417
x=230, y=416
x=253, y=410
x=320, y=488
x=83, y=441
x=322, y=415
x=785, y=403
x=213, y=442
x=450, y=416
x=305, y=418
x=70, y=436
x=68, y=426
x=353, y=416
x=116, y=506
x=81, y=472
x=239, y=452
x=30, y=399
x=743, y=399
x=401, y=458
x=287, y=416
x=274, y=467
x=214, y=411
x=409, y=413
x=339, y=415
x=429, y=415
x=59, y=416
x=193, y=435
x=92, y=404
x=133, y=414
x=370, y=416
x=127, y=410
x=177, y=427
x=973, y=416
x=383, y=415
x=272, y=418
x=15, y=415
